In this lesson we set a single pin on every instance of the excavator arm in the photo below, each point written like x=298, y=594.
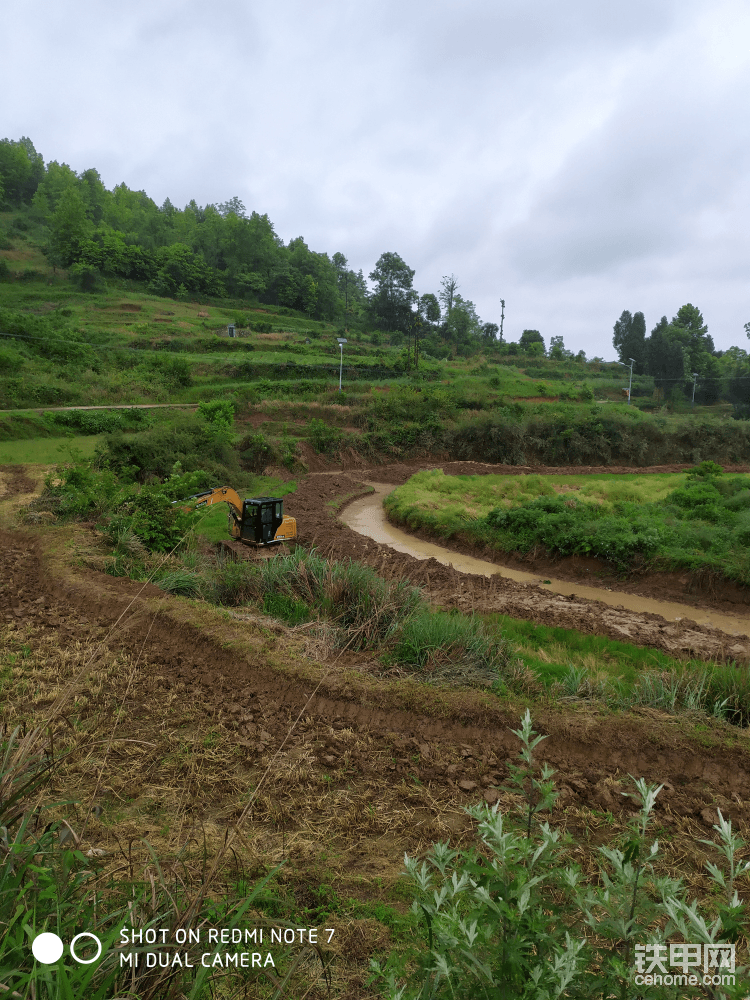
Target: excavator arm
x=221, y=494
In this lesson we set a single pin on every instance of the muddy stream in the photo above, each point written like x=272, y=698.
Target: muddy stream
x=367, y=517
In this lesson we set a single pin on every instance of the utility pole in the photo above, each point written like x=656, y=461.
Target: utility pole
x=695, y=380
x=342, y=341
x=502, y=317
x=630, y=384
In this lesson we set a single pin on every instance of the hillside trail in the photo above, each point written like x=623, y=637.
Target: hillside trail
x=367, y=517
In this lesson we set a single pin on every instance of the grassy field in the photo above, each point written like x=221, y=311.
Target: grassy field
x=699, y=521
x=47, y=451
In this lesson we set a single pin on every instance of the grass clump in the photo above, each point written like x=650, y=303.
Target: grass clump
x=364, y=608
x=444, y=644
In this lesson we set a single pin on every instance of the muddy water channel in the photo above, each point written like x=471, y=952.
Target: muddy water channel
x=367, y=517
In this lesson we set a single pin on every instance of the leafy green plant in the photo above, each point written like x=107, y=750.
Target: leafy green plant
x=256, y=451
x=323, y=437
x=517, y=918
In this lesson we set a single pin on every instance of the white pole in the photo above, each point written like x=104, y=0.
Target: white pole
x=341, y=365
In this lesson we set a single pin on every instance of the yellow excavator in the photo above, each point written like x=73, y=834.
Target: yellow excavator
x=259, y=522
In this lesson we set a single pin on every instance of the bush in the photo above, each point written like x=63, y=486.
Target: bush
x=256, y=452
x=186, y=438
x=324, y=438
x=219, y=415
x=86, y=277
x=518, y=918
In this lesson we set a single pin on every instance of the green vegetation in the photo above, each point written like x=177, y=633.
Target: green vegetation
x=48, y=885
x=517, y=916
x=46, y=451
x=699, y=521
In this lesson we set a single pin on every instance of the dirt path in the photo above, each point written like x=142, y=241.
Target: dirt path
x=367, y=517
x=120, y=406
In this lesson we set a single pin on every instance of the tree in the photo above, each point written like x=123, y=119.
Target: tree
x=530, y=338
x=343, y=277
x=232, y=207
x=558, y=350
x=688, y=328
x=665, y=357
x=393, y=294
x=490, y=331
x=69, y=226
x=462, y=323
x=21, y=170
x=629, y=340
x=430, y=308
x=447, y=294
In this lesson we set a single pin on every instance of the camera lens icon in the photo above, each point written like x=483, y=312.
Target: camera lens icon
x=47, y=948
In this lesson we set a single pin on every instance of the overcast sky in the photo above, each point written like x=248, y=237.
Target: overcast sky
x=575, y=159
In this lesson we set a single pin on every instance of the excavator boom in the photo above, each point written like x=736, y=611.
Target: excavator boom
x=221, y=494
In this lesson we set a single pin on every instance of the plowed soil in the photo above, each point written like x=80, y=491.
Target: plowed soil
x=362, y=769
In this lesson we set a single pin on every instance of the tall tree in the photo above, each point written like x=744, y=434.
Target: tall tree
x=232, y=207
x=558, y=350
x=532, y=342
x=21, y=170
x=393, y=293
x=430, y=308
x=447, y=294
x=629, y=339
x=69, y=227
x=689, y=329
x=665, y=358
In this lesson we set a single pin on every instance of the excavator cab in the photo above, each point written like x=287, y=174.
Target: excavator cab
x=261, y=519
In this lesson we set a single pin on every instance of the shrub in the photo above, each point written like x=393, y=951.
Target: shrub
x=86, y=277
x=219, y=415
x=323, y=437
x=517, y=917
x=187, y=439
x=256, y=452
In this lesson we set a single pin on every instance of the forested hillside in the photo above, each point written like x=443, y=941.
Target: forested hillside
x=220, y=252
